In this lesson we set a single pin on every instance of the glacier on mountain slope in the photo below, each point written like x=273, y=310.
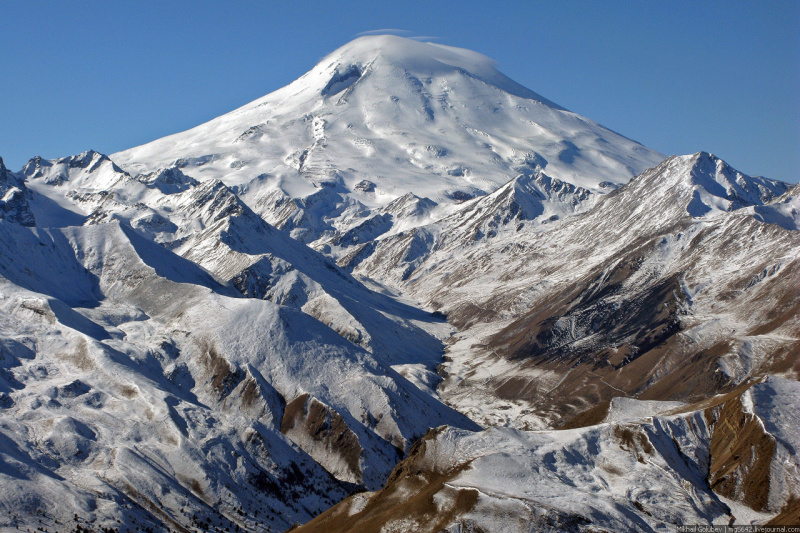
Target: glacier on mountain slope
x=437, y=121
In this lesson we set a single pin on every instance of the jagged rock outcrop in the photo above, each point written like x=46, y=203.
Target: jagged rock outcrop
x=14, y=206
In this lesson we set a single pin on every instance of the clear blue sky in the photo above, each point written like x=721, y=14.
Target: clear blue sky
x=678, y=76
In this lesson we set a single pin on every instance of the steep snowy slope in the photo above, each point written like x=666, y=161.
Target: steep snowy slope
x=379, y=118
x=783, y=211
x=668, y=287
x=641, y=475
x=525, y=200
x=135, y=387
x=208, y=224
x=530, y=205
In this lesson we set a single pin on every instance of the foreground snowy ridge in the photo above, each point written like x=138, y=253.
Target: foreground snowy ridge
x=232, y=328
x=642, y=473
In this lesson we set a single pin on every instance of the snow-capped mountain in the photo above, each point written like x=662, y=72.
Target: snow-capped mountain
x=403, y=270
x=208, y=224
x=197, y=340
x=383, y=116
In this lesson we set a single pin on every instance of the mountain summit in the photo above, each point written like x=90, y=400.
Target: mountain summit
x=382, y=116
x=428, y=59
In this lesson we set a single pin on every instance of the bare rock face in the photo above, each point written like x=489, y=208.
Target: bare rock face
x=753, y=447
x=412, y=498
x=324, y=435
x=742, y=453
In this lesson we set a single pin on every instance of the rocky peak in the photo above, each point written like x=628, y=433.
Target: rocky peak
x=14, y=206
x=700, y=185
x=410, y=205
x=168, y=180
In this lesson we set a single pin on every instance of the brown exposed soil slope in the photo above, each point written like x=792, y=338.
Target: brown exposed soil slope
x=407, y=500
